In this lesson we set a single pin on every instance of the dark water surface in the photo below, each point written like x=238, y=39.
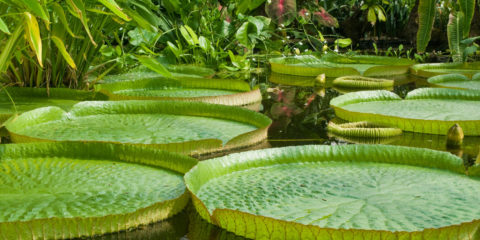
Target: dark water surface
x=300, y=115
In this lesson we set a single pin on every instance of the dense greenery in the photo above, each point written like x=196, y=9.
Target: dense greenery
x=62, y=43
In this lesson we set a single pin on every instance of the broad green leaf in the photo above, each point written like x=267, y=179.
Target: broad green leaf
x=189, y=35
x=426, y=18
x=61, y=47
x=96, y=178
x=9, y=48
x=154, y=65
x=152, y=86
x=427, y=110
x=467, y=7
x=434, y=69
x=205, y=44
x=113, y=6
x=246, y=34
x=372, y=17
x=33, y=36
x=337, y=192
x=455, y=30
x=282, y=11
x=363, y=130
x=26, y=99
x=455, y=81
x=185, y=127
x=245, y=6
x=338, y=65
x=343, y=42
x=3, y=27
x=37, y=9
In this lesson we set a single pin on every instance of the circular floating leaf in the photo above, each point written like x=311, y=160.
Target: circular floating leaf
x=219, y=91
x=26, y=99
x=455, y=81
x=427, y=110
x=186, y=127
x=339, y=192
x=68, y=190
x=363, y=130
x=434, y=69
x=362, y=82
x=337, y=65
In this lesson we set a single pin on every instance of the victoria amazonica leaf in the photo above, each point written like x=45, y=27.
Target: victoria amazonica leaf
x=338, y=192
x=338, y=65
x=427, y=110
x=18, y=100
x=455, y=81
x=186, y=127
x=434, y=69
x=68, y=190
x=219, y=91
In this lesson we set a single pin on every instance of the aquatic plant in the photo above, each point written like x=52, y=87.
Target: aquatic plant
x=427, y=110
x=455, y=136
x=362, y=82
x=338, y=192
x=218, y=91
x=455, y=81
x=333, y=65
x=433, y=69
x=73, y=190
x=363, y=130
x=15, y=100
x=185, y=127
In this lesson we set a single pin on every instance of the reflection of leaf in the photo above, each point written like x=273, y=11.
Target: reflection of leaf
x=282, y=11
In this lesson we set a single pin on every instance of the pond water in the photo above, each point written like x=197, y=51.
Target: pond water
x=300, y=115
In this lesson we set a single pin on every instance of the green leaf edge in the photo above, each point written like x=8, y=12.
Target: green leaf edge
x=245, y=96
x=260, y=227
x=52, y=93
x=398, y=66
x=61, y=228
x=470, y=127
x=437, y=81
x=197, y=147
x=422, y=70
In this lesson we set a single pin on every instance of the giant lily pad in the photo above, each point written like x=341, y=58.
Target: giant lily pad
x=455, y=81
x=433, y=69
x=340, y=192
x=219, y=91
x=67, y=190
x=186, y=127
x=338, y=65
x=427, y=110
x=26, y=99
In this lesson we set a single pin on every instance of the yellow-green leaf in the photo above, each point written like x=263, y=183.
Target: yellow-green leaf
x=62, y=17
x=426, y=18
x=61, y=47
x=113, y=6
x=3, y=27
x=154, y=65
x=79, y=11
x=37, y=9
x=33, y=36
x=9, y=48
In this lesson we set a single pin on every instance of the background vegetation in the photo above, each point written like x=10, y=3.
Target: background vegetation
x=54, y=43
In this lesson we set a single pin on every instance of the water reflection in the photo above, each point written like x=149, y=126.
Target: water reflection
x=300, y=115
